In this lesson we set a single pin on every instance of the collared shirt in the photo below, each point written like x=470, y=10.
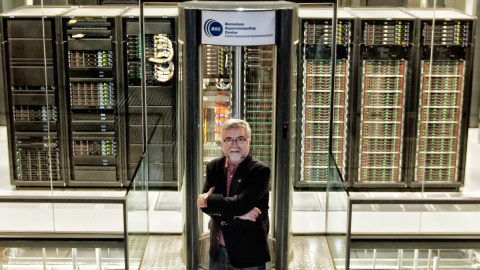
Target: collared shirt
x=230, y=172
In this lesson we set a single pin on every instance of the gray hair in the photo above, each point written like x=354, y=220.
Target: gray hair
x=237, y=123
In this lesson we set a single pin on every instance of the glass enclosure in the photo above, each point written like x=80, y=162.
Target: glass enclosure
x=337, y=217
x=137, y=214
x=234, y=79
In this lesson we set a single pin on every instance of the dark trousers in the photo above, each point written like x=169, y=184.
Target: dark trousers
x=223, y=262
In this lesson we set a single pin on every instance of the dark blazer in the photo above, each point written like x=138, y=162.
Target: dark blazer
x=245, y=241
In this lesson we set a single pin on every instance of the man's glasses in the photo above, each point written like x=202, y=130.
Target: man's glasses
x=239, y=140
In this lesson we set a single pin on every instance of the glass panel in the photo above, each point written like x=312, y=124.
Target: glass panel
x=337, y=217
x=393, y=217
x=42, y=254
x=151, y=92
x=137, y=216
x=237, y=82
x=159, y=78
x=320, y=85
x=94, y=218
x=410, y=258
x=445, y=64
x=317, y=45
x=26, y=217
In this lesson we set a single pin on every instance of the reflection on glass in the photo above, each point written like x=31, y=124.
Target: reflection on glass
x=157, y=77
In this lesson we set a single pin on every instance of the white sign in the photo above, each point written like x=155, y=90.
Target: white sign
x=238, y=28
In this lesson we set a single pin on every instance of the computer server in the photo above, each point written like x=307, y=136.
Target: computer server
x=218, y=93
x=444, y=89
x=386, y=44
x=316, y=93
x=33, y=100
x=245, y=92
x=76, y=117
x=258, y=96
x=93, y=95
x=160, y=80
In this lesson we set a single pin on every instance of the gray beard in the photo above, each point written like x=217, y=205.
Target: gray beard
x=236, y=159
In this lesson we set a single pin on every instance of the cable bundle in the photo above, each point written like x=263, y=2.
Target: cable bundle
x=162, y=57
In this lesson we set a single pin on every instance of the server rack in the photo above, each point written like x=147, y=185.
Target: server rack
x=246, y=92
x=444, y=91
x=161, y=76
x=258, y=101
x=387, y=59
x=218, y=93
x=93, y=96
x=34, y=96
x=316, y=69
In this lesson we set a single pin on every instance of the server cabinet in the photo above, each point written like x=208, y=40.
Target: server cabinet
x=444, y=90
x=316, y=70
x=246, y=93
x=29, y=45
x=385, y=76
x=160, y=55
x=93, y=96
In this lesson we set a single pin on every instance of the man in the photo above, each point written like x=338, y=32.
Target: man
x=235, y=196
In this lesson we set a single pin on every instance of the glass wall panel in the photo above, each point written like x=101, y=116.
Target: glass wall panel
x=137, y=216
x=49, y=254
x=337, y=217
x=324, y=66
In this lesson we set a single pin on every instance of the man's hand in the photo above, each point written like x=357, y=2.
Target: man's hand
x=202, y=198
x=252, y=215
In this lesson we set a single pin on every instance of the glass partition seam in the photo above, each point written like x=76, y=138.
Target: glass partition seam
x=349, y=234
x=125, y=233
x=432, y=42
x=46, y=97
x=333, y=61
x=144, y=77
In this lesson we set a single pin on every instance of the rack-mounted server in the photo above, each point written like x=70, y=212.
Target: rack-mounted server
x=315, y=98
x=396, y=126
x=444, y=89
x=93, y=95
x=92, y=104
x=218, y=93
x=160, y=79
x=387, y=53
x=245, y=92
x=258, y=99
x=33, y=101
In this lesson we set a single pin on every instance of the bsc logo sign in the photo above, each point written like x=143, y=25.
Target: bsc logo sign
x=212, y=28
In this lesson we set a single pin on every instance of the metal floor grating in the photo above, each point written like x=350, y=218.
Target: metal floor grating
x=163, y=253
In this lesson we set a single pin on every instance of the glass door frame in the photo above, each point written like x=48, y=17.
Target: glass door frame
x=286, y=18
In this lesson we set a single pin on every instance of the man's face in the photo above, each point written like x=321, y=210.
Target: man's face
x=234, y=146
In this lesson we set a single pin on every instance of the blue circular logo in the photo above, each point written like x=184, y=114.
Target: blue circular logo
x=212, y=28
